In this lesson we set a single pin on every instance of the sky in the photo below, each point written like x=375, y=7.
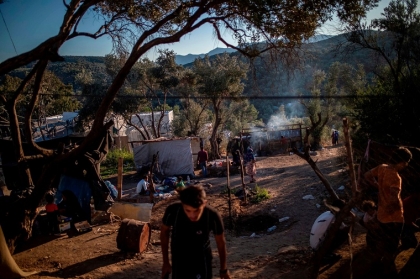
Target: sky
x=31, y=22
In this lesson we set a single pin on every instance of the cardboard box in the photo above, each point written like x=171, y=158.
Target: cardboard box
x=64, y=226
x=63, y=219
x=83, y=226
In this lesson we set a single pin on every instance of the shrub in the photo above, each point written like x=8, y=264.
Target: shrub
x=110, y=165
x=262, y=194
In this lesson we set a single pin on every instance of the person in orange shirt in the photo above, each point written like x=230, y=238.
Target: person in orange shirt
x=387, y=180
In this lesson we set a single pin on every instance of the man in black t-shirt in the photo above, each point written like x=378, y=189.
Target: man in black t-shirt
x=192, y=221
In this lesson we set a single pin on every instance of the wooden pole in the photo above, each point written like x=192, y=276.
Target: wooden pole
x=150, y=178
x=350, y=156
x=242, y=178
x=120, y=177
x=342, y=214
x=229, y=192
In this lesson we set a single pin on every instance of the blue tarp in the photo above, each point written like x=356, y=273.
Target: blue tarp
x=79, y=187
x=112, y=190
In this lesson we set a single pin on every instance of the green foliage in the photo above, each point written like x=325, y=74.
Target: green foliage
x=241, y=115
x=232, y=191
x=261, y=195
x=219, y=79
x=110, y=165
x=390, y=113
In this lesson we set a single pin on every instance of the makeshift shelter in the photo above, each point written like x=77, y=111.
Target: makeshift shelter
x=176, y=156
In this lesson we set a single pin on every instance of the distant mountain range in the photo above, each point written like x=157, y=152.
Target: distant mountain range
x=319, y=37
x=189, y=58
x=186, y=59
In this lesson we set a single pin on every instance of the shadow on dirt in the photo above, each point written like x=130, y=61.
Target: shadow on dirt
x=87, y=266
x=254, y=224
x=364, y=267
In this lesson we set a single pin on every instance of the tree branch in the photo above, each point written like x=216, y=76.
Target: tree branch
x=65, y=4
x=49, y=47
x=30, y=109
x=313, y=165
x=139, y=50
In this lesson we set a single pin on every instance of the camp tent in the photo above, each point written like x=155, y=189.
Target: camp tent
x=176, y=156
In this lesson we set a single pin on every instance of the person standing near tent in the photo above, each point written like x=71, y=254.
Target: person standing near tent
x=202, y=158
x=191, y=221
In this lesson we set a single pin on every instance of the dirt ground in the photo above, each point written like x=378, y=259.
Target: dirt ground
x=283, y=253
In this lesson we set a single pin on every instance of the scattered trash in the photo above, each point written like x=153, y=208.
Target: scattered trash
x=283, y=219
x=272, y=228
x=341, y=188
x=317, y=205
x=308, y=197
x=273, y=210
x=342, y=170
x=252, y=235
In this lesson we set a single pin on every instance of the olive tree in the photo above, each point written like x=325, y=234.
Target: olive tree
x=135, y=28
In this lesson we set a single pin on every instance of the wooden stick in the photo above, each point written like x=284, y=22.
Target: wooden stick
x=242, y=177
x=150, y=178
x=306, y=156
x=120, y=177
x=229, y=192
x=350, y=156
x=342, y=214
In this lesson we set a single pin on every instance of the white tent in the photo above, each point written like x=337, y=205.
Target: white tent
x=176, y=156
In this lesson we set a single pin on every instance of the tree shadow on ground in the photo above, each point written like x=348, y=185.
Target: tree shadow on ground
x=87, y=266
x=364, y=267
x=35, y=241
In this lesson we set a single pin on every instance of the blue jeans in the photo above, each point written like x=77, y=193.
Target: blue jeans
x=203, y=166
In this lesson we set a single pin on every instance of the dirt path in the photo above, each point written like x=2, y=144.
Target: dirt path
x=283, y=253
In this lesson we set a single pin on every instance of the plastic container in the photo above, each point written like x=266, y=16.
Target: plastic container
x=283, y=219
x=188, y=179
x=136, y=211
x=272, y=228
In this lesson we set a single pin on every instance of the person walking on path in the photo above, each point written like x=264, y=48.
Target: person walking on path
x=202, y=158
x=191, y=221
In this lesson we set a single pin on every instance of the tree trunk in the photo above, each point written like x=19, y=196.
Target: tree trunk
x=213, y=143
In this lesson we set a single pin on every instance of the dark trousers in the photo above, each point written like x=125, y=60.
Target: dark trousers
x=52, y=222
x=192, y=266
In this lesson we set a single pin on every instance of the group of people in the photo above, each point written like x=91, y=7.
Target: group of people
x=242, y=150
x=69, y=206
x=391, y=222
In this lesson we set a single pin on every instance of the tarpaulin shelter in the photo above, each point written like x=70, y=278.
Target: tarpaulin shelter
x=176, y=156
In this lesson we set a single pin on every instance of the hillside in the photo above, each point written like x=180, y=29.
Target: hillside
x=189, y=58
x=269, y=77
